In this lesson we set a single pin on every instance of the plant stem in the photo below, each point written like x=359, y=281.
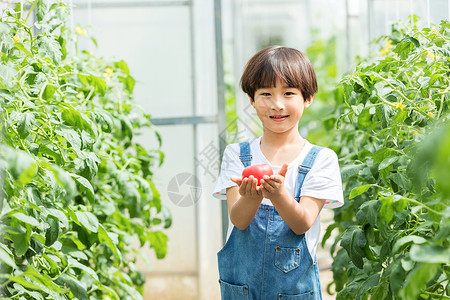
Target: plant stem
x=29, y=13
x=423, y=205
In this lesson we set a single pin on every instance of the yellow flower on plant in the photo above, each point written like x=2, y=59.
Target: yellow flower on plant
x=415, y=132
x=80, y=31
x=430, y=55
x=387, y=48
x=430, y=114
x=16, y=38
x=399, y=105
x=109, y=71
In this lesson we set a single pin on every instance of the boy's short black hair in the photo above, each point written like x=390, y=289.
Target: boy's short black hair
x=277, y=62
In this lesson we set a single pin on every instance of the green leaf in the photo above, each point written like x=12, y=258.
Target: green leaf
x=52, y=233
x=387, y=162
x=381, y=154
x=365, y=119
x=430, y=254
x=127, y=127
x=370, y=209
x=105, y=238
x=406, y=46
x=75, y=264
x=49, y=47
x=158, y=241
x=7, y=257
x=353, y=241
x=351, y=170
x=406, y=241
x=49, y=90
x=22, y=48
x=328, y=231
x=357, y=108
x=105, y=118
x=21, y=240
x=41, y=10
x=4, y=28
x=25, y=283
x=416, y=280
x=85, y=186
x=109, y=291
x=129, y=83
x=59, y=215
x=65, y=180
x=26, y=219
x=98, y=83
x=74, y=285
x=132, y=293
x=359, y=190
x=72, y=137
x=387, y=210
x=88, y=220
x=22, y=166
x=25, y=124
x=167, y=217
x=122, y=66
x=43, y=279
x=401, y=180
x=75, y=119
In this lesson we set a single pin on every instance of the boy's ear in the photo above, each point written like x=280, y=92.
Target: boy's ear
x=308, y=101
x=252, y=102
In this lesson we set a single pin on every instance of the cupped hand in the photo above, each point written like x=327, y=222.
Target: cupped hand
x=273, y=186
x=248, y=187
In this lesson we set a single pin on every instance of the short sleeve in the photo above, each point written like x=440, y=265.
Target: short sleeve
x=231, y=166
x=323, y=181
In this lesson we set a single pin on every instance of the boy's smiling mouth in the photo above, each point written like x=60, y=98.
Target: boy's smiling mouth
x=279, y=117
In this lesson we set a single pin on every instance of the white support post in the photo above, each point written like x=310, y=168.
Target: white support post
x=411, y=11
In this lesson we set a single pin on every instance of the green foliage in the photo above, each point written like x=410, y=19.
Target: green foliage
x=77, y=196
x=393, y=139
x=320, y=118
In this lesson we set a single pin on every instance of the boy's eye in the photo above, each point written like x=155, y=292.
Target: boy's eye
x=289, y=93
x=265, y=94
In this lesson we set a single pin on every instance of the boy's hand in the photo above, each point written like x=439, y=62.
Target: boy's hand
x=273, y=186
x=248, y=187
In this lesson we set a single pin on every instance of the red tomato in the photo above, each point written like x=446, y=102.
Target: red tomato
x=258, y=171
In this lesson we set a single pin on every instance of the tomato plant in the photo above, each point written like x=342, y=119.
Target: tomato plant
x=258, y=171
x=77, y=190
x=393, y=139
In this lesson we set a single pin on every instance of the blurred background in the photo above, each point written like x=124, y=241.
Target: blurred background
x=187, y=57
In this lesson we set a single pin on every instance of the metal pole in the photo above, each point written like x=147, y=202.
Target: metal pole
x=397, y=14
x=347, y=38
x=411, y=11
x=386, y=17
x=195, y=144
x=369, y=20
x=220, y=99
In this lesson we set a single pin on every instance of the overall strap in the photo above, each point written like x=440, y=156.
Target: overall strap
x=245, y=156
x=304, y=168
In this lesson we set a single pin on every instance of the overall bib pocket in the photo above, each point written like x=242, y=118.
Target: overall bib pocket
x=230, y=291
x=303, y=296
x=287, y=259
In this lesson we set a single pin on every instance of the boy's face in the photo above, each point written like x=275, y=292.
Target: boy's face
x=280, y=108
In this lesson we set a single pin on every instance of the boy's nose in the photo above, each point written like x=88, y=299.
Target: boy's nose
x=277, y=103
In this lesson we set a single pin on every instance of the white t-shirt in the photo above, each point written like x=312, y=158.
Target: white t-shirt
x=323, y=181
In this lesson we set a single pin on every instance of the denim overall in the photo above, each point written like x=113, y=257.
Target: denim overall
x=267, y=260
